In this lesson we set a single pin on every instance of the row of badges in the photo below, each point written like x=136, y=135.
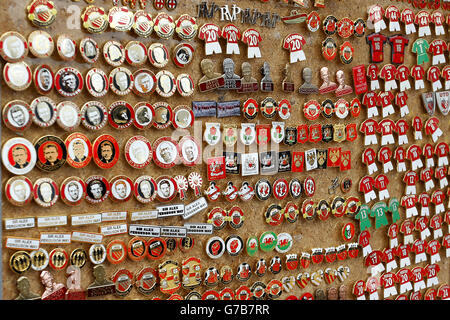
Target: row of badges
x=69, y=81
x=18, y=115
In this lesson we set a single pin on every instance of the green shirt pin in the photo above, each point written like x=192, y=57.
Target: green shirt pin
x=379, y=210
x=363, y=217
x=393, y=208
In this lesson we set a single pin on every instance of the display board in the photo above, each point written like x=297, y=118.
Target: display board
x=307, y=235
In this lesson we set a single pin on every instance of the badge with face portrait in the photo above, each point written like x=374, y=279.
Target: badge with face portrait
x=114, y=53
x=105, y=151
x=166, y=188
x=94, y=115
x=144, y=82
x=121, y=115
x=43, y=111
x=121, y=81
x=67, y=48
x=183, y=54
x=165, y=83
x=43, y=78
x=158, y=55
x=19, y=190
x=183, y=117
x=41, y=44
x=190, y=151
x=45, y=192
x=165, y=152
x=97, y=82
x=97, y=189
x=143, y=115
x=13, y=46
x=51, y=153
x=73, y=191
x=68, y=115
x=138, y=152
x=163, y=115
x=89, y=50
x=17, y=75
x=79, y=150
x=17, y=115
x=185, y=85
x=121, y=188
x=145, y=189
x=18, y=155
x=68, y=82
x=135, y=53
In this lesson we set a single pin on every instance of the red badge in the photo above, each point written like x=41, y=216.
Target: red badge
x=105, y=151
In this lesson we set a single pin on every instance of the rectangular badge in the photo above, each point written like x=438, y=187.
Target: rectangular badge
x=298, y=160
x=51, y=221
x=144, y=215
x=195, y=207
x=170, y=210
x=359, y=79
x=114, y=229
x=199, y=228
x=173, y=232
x=144, y=230
x=88, y=237
x=114, y=216
x=20, y=223
x=56, y=238
x=232, y=162
x=22, y=243
x=204, y=108
x=86, y=219
x=284, y=161
x=229, y=109
x=268, y=162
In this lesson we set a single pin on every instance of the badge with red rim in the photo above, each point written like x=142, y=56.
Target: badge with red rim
x=101, y=111
x=329, y=49
x=6, y=54
x=308, y=211
x=280, y=188
x=211, y=295
x=17, y=75
x=59, y=77
x=341, y=108
x=163, y=115
x=135, y=46
x=186, y=27
x=156, y=248
x=97, y=179
x=73, y=142
x=41, y=13
x=38, y=82
x=116, y=251
x=138, y=145
x=123, y=282
x=143, y=23
x=269, y=107
x=137, y=248
x=309, y=185
x=274, y=289
x=137, y=186
x=323, y=210
x=90, y=76
x=250, y=108
x=13, y=107
x=348, y=231
x=183, y=117
x=218, y=218
x=99, y=143
x=330, y=25
x=313, y=21
x=58, y=259
x=173, y=188
x=166, y=152
x=125, y=192
x=346, y=52
x=312, y=110
x=61, y=44
x=164, y=25
x=345, y=28
x=243, y=293
x=284, y=109
x=274, y=215
x=360, y=27
x=9, y=193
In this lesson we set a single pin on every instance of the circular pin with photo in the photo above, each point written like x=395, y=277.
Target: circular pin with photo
x=18, y=156
x=116, y=251
x=121, y=188
x=105, y=151
x=17, y=115
x=190, y=151
x=158, y=55
x=215, y=247
x=163, y=115
x=97, y=189
x=164, y=25
x=67, y=47
x=68, y=115
x=165, y=83
x=185, y=85
x=143, y=23
x=144, y=82
x=17, y=75
x=43, y=78
x=135, y=53
x=94, y=115
x=89, y=50
x=39, y=259
x=121, y=81
x=144, y=113
x=73, y=191
x=166, y=152
x=183, y=54
x=156, y=248
x=51, y=153
x=68, y=82
x=97, y=254
x=19, y=190
x=79, y=150
x=45, y=192
x=97, y=82
x=13, y=46
x=138, y=152
x=183, y=117
x=137, y=249
x=145, y=189
x=166, y=188
x=114, y=53
x=43, y=111
x=41, y=44
x=121, y=115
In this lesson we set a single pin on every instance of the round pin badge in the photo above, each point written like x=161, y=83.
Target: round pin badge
x=135, y=53
x=68, y=115
x=251, y=246
x=163, y=115
x=250, y=108
x=114, y=53
x=166, y=188
x=269, y=107
x=13, y=46
x=186, y=27
x=78, y=257
x=20, y=262
x=348, y=231
x=359, y=27
x=341, y=108
x=330, y=25
x=144, y=114
x=290, y=212
x=73, y=191
x=164, y=25
x=97, y=83
x=45, y=192
x=284, y=242
x=120, y=19
x=190, y=151
x=145, y=189
x=41, y=13
x=144, y=82
x=17, y=115
x=19, y=190
x=97, y=189
x=43, y=78
x=120, y=115
x=97, y=253
x=183, y=117
x=172, y=245
x=308, y=211
x=313, y=21
x=94, y=19
x=327, y=108
x=41, y=44
x=263, y=189
x=156, y=248
x=121, y=81
x=51, y=153
x=284, y=109
x=137, y=249
x=268, y=241
x=345, y=28
x=94, y=115
x=116, y=251
x=158, y=55
x=234, y=245
x=18, y=156
x=280, y=189
x=121, y=188
x=67, y=47
x=218, y=218
x=185, y=244
x=146, y=280
x=138, y=152
x=43, y=111
x=166, y=152
x=295, y=188
x=166, y=84
x=312, y=110
x=143, y=23
x=17, y=75
x=68, y=82
x=183, y=54
x=39, y=259
x=235, y=217
x=274, y=215
x=185, y=85
x=215, y=247
x=105, y=151
x=309, y=185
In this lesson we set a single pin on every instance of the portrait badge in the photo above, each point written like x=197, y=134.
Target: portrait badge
x=105, y=151
x=19, y=156
x=94, y=115
x=145, y=189
x=51, y=153
x=73, y=191
x=97, y=83
x=46, y=192
x=121, y=188
x=79, y=150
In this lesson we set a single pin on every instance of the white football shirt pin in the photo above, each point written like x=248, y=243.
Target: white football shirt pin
x=210, y=34
x=232, y=34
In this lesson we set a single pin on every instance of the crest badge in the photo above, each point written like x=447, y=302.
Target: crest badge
x=248, y=133
x=339, y=133
x=442, y=100
x=277, y=132
x=230, y=134
x=429, y=102
x=263, y=134
x=212, y=133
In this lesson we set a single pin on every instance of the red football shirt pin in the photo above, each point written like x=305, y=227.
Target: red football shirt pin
x=294, y=42
x=440, y=175
x=210, y=33
x=426, y=176
x=385, y=99
x=393, y=15
x=369, y=127
x=408, y=17
x=433, y=75
x=381, y=183
x=251, y=37
x=388, y=281
x=433, y=250
x=376, y=42
x=432, y=128
x=428, y=152
x=446, y=75
x=232, y=34
x=400, y=157
x=388, y=73
x=368, y=158
x=398, y=44
x=438, y=19
x=418, y=73
x=437, y=48
x=423, y=19
x=372, y=73
x=402, y=76
x=376, y=13
x=370, y=100
x=384, y=156
x=386, y=127
x=366, y=185
x=401, y=127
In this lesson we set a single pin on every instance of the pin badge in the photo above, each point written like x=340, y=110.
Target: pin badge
x=17, y=75
x=19, y=190
x=120, y=115
x=20, y=262
x=42, y=13
x=116, y=251
x=94, y=19
x=68, y=82
x=215, y=247
x=13, y=46
x=120, y=18
x=135, y=53
x=121, y=81
x=183, y=54
x=137, y=249
x=164, y=25
x=166, y=188
x=17, y=115
x=114, y=53
x=67, y=47
x=186, y=27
